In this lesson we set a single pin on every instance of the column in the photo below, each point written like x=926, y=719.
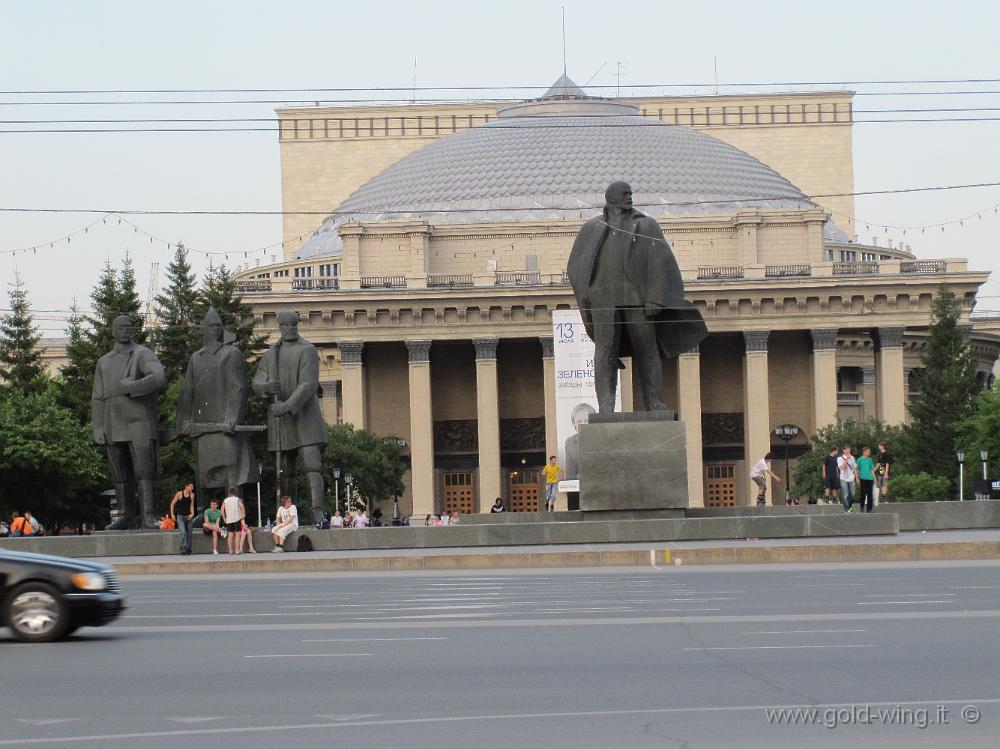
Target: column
x=889, y=393
x=757, y=405
x=352, y=374
x=689, y=412
x=488, y=415
x=421, y=427
x=549, y=384
x=824, y=371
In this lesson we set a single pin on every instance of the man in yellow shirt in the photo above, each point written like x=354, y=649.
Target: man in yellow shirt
x=552, y=472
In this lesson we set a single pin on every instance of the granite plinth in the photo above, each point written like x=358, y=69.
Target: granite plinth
x=634, y=465
x=628, y=417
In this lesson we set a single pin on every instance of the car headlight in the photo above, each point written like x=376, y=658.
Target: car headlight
x=89, y=581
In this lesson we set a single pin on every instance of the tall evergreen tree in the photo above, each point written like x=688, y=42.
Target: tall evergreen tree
x=178, y=335
x=129, y=302
x=76, y=376
x=946, y=390
x=219, y=291
x=21, y=366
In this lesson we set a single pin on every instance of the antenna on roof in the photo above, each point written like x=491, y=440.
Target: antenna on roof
x=414, y=101
x=564, y=38
x=716, y=63
x=595, y=74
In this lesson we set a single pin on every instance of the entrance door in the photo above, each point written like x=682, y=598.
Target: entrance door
x=458, y=491
x=523, y=488
x=720, y=486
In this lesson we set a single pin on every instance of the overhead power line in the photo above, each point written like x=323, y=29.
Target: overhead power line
x=410, y=88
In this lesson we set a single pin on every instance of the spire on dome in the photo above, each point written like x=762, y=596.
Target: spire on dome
x=564, y=88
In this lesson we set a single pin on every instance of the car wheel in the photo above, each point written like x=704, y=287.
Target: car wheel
x=37, y=613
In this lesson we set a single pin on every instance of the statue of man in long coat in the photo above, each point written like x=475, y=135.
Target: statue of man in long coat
x=288, y=372
x=211, y=404
x=631, y=298
x=123, y=409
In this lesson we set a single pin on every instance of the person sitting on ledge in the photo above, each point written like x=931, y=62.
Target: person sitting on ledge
x=288, y=523
x=211, y=527
x=498, y=506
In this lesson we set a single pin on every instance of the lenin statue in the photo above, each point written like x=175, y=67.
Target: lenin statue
x=123, y=406
x=631, y=297
x=288, y=372
x=211, y=405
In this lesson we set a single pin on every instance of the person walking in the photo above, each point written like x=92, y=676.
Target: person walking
x=866, y=480
x=831, y=476
x=884, y=461
x=847, y=468
x=552, y=472
x=233, y=515
x=760, y=468
x=182, y=510
x=288, y=522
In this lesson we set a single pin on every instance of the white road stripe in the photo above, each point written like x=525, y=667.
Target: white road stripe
x=375, y=639
x=310, y=655
x=804, y=632
x=897, y=603
x=784, y=647
x=907, y=595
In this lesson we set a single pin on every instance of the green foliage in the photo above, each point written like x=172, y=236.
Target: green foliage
x=178, y=336
x=47, y=462
x=919, y=487
x=218, y=290
x=981, y=430
x=21, y=367
x=807, y=478
x=373, y=461
x=946, y=392
x=74, y=382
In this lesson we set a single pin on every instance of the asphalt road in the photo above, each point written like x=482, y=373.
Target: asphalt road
x=888, y=655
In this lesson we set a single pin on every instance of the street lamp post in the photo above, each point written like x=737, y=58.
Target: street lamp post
x=260, y=470
x=786, y=432
x=960, y=454
x=349, y=479
x=984, y=455
x=336, y=489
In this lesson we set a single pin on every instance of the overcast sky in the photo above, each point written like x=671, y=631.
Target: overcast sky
x=47, y=45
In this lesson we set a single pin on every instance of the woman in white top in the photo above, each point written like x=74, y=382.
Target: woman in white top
x=233, y=513
x=288, y=522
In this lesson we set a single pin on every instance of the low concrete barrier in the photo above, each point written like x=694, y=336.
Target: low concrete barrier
x=944, y=516
x=485, y=535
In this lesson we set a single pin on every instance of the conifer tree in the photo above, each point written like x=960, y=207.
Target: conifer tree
x=129, y=302
x=76, y=376
x=21, y=366
x=946, y=390
x=178, y=335
x=219, y=291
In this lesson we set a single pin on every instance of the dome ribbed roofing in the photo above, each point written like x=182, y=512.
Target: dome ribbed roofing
x=545, y=167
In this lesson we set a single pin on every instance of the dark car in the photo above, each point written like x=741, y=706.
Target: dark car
x=43, y=598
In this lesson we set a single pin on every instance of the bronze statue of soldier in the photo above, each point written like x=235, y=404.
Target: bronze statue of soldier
x=211, y=408
x=123, y=405
x=631, y=298
x=288, y=373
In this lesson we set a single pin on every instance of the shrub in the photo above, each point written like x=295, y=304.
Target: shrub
x=920, y=487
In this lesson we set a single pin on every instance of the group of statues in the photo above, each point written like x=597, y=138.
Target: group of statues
x=627, y=285
x=212, y=410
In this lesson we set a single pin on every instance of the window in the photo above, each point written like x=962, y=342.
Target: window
x=330, y=269
x=828, y=254
x=281, y=273
x=869, y=257
x=305, y=272
x=848, y=256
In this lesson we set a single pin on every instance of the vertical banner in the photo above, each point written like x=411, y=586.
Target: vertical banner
x=576, y=397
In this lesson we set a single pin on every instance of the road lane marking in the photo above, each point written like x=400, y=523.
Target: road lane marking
x=375, y=622
x=804, y=632
x=783, y=647
x=194, y=719
x=310, y=655
x=897, y=603
x=907, y=595
x=339, y=723
x=375, y=639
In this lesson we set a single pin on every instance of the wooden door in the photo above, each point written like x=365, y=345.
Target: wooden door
x=523, y=488
x=458, y=491
x=720, y=486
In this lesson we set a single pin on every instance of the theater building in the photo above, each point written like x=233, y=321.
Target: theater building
x=430, y=285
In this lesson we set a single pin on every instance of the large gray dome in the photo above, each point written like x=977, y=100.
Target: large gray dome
x=524, y=167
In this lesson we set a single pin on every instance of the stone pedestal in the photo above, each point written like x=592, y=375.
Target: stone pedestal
x=628, y=462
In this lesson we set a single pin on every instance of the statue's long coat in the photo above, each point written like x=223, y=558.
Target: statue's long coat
x=294, y=364
x=214, y=391
x=651, y=268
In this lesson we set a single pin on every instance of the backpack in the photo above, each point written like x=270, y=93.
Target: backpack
x=305, y=544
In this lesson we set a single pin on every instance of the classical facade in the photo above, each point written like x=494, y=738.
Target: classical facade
x=430, y=286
